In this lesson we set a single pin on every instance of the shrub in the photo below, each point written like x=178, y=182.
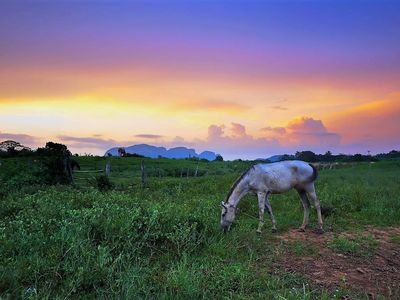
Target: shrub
x=103, y=183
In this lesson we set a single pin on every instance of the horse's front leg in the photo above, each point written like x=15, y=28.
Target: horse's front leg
x=261, y=204
x=271, y=215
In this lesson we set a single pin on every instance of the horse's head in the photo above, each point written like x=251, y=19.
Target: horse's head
x=227, y=216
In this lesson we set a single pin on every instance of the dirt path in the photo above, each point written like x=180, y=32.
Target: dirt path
x=378, y=274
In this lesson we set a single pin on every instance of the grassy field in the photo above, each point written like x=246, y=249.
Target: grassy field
x=164, y=241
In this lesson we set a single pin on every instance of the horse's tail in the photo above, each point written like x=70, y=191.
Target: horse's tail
x=314, y=174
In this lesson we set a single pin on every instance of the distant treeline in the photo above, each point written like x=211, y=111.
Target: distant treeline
x=310, y=156
x=14, y=149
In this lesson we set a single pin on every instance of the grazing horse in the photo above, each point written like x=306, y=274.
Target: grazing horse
x=273, y=178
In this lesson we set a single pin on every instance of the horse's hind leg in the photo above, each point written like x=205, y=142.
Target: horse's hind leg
x=306, y=206
x=311, y=194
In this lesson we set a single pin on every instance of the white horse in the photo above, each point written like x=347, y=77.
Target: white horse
x=273, y=178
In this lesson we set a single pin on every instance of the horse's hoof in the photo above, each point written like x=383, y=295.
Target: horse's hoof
x=320, y=231
x=301, y=229
x=273, y=230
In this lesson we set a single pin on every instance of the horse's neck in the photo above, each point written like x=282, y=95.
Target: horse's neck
x=239, y=191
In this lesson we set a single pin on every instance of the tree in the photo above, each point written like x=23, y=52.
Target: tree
x=359, y=157
x=328, y=157
x=308, y=156
x=133, y=155
x=121, y=151
x=56, y=159
x=287, y=157
x=13, y=148
x=219, y=157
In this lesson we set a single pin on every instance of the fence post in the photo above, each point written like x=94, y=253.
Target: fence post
x=143, y=173
x=108, y=168
x=67, y=165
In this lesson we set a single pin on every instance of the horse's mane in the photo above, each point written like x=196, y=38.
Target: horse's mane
x=237, y=182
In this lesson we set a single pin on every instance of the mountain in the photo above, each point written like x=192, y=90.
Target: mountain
x=154, y=152
x=207, y=155
x=180, y=152
x=142, y=149
x=275, y=158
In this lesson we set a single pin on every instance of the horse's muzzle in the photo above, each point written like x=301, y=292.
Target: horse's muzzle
x=225, y=226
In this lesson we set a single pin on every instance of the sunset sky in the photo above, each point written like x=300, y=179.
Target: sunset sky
x=245, y=79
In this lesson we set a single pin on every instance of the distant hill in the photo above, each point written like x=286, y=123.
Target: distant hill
x=155, y=152
x=274, y=158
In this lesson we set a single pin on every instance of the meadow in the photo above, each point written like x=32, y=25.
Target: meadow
x=163, y=240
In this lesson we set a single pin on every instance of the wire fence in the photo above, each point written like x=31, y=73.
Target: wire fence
x=136, y=172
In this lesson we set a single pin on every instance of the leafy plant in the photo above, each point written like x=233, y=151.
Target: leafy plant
x=103, y=183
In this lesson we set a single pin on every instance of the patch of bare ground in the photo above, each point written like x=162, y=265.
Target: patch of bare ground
x=378, y=274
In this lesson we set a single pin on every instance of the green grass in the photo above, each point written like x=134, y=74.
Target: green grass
x=301, y=248
x=395, y=239
x=164, y=241
x=362, y=246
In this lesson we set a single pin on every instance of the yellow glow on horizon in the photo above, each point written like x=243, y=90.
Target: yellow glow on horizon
x=120, y=104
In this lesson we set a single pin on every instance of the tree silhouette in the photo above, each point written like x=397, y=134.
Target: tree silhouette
x=308, y=156
x=9, y=145
x=219, y=158
x=13, y=148
x=121, y=151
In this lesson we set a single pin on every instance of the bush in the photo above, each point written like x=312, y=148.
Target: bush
x=103, y=183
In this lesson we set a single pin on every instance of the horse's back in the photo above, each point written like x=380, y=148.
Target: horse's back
x=295, y=167
x=285, y=175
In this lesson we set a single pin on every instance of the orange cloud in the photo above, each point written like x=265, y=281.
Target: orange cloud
x=303, y=132
x=300, y=134
x=375, y=124
x=238, y=130
x=309, y=132
x=235, y=141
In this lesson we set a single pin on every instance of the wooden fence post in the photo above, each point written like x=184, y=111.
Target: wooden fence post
x=67, y=166
x=143, y=173
x=108, y=168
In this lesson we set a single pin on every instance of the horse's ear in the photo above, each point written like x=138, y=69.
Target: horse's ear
x=223, y=204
